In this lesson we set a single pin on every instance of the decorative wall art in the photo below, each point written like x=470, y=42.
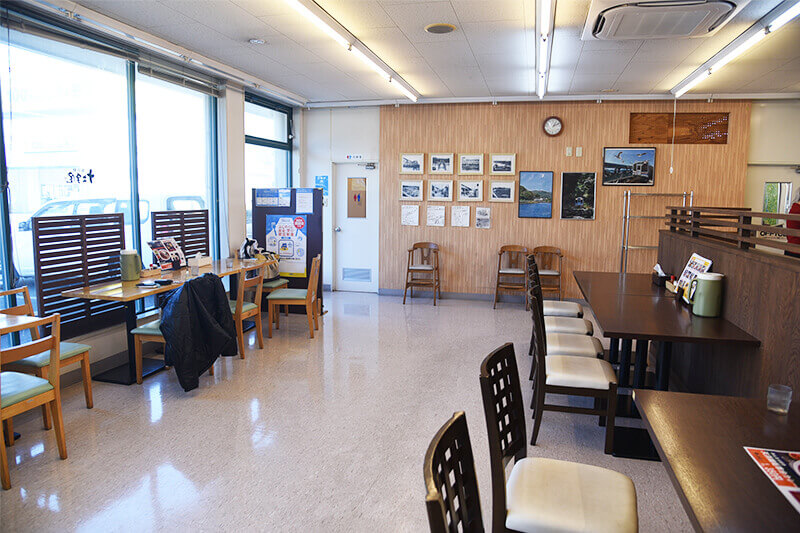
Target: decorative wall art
x=470, y=164
x=483, y=217
x=501, y=191
x=470, y=191
x=629, y=166
x=435, y=215
x=440, y=164
x=535, y=194
x=409, y=215
x=440, y=190
x=411, y=191
x=459, y=216
x=577, y=195
x=412, y=163
x=503, y=164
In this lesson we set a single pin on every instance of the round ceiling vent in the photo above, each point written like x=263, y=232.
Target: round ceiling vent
x=439, y=28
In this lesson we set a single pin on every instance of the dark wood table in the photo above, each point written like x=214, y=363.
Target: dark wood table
x=701, y=440
x=628, y=307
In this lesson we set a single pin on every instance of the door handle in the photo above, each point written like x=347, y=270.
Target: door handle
x=337, y=229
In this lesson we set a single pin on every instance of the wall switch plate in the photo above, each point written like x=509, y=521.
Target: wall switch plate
x=569, y=151
x=579, y=151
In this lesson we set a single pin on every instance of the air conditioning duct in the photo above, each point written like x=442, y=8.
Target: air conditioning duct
x=613, y=20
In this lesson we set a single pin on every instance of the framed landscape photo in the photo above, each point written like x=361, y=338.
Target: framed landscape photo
x=577, y=195
x=470, y=191
x=440, y=190
x=412, y=163
x=535, y=195
x=503, y=164
x=470, y=164
x=411, y=191
x=629, y=166
x=440, y=164
x=501, y=191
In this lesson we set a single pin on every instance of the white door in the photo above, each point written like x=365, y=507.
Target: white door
x=355, y=239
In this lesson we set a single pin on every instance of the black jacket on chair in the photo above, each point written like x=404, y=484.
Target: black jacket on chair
x=198, y=327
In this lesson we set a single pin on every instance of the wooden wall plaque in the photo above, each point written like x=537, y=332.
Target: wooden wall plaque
x=690, y=128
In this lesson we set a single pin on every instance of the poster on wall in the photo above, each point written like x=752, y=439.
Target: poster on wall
x=304, y=198
x=483, y=217
x=459, y=216
x=629, y=166
x=577, y=195
x=284, y=197
x=436, y=215
x=409, y=215
x=287, y=235
x=267, y=197
x=535, y=195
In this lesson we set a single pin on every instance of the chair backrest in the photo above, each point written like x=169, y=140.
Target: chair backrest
x=23, y=309
x=452, y=501
x=538, y=337
x=505, y=422
x=428, y=254
x=251, y=278
x=514, y=256
x=548, y=256
x=50, y=342
x=313, y=279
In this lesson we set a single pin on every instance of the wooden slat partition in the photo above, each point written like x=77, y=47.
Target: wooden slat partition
x=189, y=228
x=690, y=128
x=71, y=252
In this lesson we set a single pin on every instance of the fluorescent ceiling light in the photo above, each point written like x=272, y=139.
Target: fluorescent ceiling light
x=540, y=86
x=318, y=22
x=544, y=16
x=543, y=55
x=411, y=96
x=736, y=52
x=785, y=17
x=370, y=63
x=544, y=9
x=703, y=75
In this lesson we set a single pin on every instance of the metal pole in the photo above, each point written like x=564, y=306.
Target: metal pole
x=627, y=229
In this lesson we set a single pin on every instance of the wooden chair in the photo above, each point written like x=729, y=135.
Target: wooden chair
x=428, y=265
x=307, y=297
x=543, y=494
x=250, y=279
x=20, y=392
x=550, y=260
x=273, y=285
x=39, y=364
x=452, y=499
x=513, y=271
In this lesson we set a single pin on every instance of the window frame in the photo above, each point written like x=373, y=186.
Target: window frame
x=288, y=146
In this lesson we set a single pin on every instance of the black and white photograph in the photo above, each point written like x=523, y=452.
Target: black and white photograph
x=440, y=190
x=470, y=164
x=577, y=195
x=629, y=166
x=412, y=163
x=440, y=164
x=501, y=191
x=411, y=191
x=470, y=191
x=503, y=164
x=483, y=217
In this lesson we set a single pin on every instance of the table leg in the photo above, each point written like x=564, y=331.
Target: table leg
x=663, y=367
x=624, y=362
x=640, y=365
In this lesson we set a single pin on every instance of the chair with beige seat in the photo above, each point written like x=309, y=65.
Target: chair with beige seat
x=511, y=271
x=20, y=392
x=422, y=269
x=307, y=297
x=550, y=260
x=39, y=364
x=543, y=494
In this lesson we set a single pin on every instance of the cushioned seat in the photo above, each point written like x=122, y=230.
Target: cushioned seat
x=66, y=350
x=559, y=308
x=287, y=294
x=578, y=345
x=421, y=267
x=275, y=283
x=551, y=495
x=546, y=272
x=246, y=306
x=18, y=387
x=582, y=372
x=151, y=328
x=564, y=324
x=511, y=271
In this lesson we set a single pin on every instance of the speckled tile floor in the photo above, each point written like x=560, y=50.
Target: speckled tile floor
x=305, y=435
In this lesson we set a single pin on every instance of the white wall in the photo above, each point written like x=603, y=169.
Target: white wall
x=329, y=136
x=231, y=170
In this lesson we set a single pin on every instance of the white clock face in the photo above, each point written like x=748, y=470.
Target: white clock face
x=552, y=126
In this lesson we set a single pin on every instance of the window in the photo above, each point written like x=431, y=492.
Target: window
x=268, y=149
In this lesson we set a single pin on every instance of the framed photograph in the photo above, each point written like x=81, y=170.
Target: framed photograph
x=470, y=164
x=470, y=191
x=503, y=164
x=535, y=194
x=501, y=191
x=412, y=163
x=440, y=164
x=483, y=217
x=577, y=195
x=440, y=190
x=629, y=166
x=411, y=191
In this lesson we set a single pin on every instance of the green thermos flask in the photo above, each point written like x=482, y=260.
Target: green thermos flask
x=130, y=265
x=705, y=294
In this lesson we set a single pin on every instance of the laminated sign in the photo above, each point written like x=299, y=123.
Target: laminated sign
x=287, y=235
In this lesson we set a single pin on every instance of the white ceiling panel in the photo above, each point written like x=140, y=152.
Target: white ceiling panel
x=482, y=11
x=359, y=15
x=464, y=81
x=604, y=62
x=448, y=55
x=500, y=37
x=412, y=19
x=591, y=83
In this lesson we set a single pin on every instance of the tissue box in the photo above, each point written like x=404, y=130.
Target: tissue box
x=659, y=280
x=198, y=261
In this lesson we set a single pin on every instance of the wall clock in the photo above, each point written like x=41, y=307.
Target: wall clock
x=552, y=126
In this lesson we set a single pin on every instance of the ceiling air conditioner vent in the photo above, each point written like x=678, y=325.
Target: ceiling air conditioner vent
x=613, y=20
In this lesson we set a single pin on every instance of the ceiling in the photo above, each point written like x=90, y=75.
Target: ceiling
x=490, y=54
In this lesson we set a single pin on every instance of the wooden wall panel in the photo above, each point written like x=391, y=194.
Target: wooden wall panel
x=469, y=255
x=690, y=128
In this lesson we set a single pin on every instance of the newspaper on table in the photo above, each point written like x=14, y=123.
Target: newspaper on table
x=166, y=251
x=697, y=265
x=782, y=468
